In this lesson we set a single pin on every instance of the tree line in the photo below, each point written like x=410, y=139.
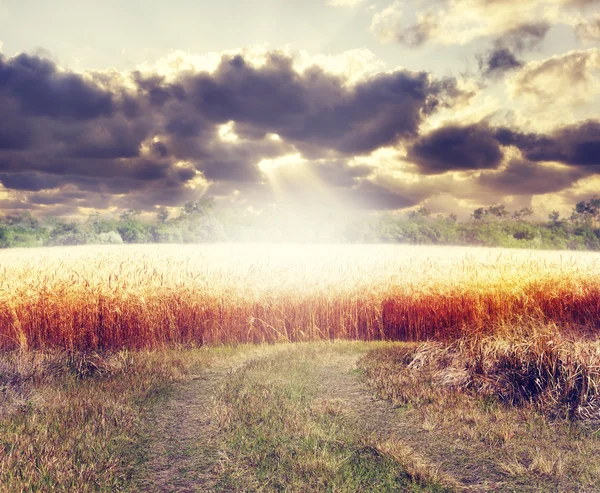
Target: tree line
x=198, y=222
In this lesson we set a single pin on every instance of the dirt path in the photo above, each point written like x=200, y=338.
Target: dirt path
x=387, y=428
x=184, y=454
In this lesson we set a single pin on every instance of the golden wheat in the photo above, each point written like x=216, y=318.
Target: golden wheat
x=92, y=298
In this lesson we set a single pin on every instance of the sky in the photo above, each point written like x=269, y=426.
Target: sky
x=328, y=105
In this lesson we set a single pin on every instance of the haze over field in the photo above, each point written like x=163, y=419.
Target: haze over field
x=345, y=105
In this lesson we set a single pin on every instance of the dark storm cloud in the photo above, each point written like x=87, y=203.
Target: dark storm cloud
x=160, y=149
x=59, y=129
x=220, y=168
x=502, y=57
x=183, y=126
x=14, y=132
x=69, y=169
x=523, y=177
x=64, y=198
x=316, y=108
x=41, y=89
x=575, y=145
x=156, y=90
x=33, y=182
x=102, y=139
x=456, y=148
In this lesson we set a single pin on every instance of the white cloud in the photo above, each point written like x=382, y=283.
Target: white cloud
x=353, y=65
x=588, y=29
x=570, y=79
x=459, y=22
x=179, y=60
x=388, y=22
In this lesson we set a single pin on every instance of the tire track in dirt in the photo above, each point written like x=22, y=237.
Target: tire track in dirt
x=183, y=454
x=184, y=450
x=385, y=428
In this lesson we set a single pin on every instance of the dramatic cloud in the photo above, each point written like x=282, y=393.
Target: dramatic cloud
x=521, y=177
x=503, y=56
x=109, y=134
x=576, y=145
x=40, y=89
x=315, y=108
x=456, y=148
x=476, y=101
x=499, y=60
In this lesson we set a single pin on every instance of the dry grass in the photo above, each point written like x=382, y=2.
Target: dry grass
x=558, y=376
x=91, y=298
x=71, y=393
x=70, y=422
x=525, y=407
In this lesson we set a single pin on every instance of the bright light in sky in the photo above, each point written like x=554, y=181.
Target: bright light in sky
x=379, y=106
x=268, y=165
x=227, y=133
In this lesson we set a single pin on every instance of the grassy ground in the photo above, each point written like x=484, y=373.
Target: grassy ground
x=452, y=420
x=70, y=423
x=286, y=427
x=289, y=417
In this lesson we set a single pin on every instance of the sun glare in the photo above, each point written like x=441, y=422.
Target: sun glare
x=227, y=132
x=269, y=165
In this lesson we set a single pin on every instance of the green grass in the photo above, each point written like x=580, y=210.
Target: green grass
x=281, y=434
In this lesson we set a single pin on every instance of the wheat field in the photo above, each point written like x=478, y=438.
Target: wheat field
x=151, y=296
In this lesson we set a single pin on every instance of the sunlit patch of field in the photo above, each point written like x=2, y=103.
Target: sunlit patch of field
x=149, y=296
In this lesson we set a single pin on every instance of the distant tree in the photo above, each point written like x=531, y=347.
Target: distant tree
x=200, y=207
x=522, y=214
x=162, y=215
x=498, y=210
x=6, y=236
x=133, y=232
x=129, y=214
x=479, y=214
x=421, y=212
x=587, y=212
x=110, y=237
